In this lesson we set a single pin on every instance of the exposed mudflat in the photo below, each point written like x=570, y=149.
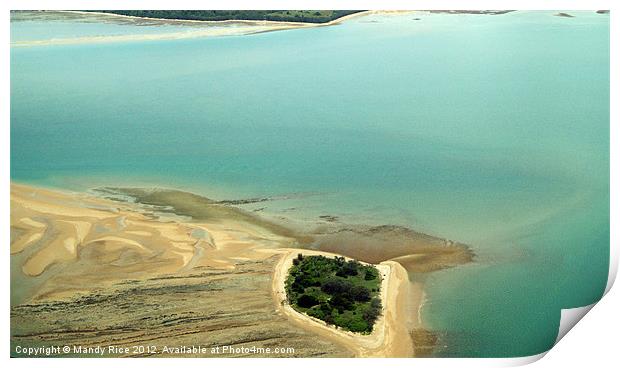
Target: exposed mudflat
x=159, y=268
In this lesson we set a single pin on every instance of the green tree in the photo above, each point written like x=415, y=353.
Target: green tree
x=360, y=293
x=370, y=273
x=307, y=301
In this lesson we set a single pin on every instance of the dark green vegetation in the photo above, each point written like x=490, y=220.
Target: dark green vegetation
x=310, y=16
x=339, y=292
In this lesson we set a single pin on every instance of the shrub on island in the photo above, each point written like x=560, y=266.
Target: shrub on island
x=341, y=293
x=308, y=16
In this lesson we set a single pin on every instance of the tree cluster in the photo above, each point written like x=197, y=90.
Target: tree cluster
x=309, y=16
x=337, y=291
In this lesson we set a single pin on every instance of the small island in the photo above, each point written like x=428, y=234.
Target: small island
x=339, y=292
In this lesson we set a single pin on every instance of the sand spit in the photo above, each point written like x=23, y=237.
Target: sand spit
x=417, y=252
x=195, y=29
x=90, y=271
x=167, y=267
x=193, y=33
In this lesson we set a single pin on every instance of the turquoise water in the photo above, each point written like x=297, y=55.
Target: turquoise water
x=489, y=130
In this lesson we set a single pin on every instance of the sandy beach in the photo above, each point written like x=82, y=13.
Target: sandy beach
x=91, y=271
x=389, y=337
x=68, y=249
x=232, y=21
x=121, y=236
x=196, y=28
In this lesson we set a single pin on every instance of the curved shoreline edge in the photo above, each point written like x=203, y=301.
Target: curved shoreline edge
x=170, y=234
x=248, y=27
x=389, y=338
x=226, y=21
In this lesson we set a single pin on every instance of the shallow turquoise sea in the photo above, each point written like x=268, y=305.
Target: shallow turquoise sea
x=488, y=130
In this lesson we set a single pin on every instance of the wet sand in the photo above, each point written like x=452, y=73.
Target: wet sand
x=74, y=255
x=91, y=271
x=389, y=338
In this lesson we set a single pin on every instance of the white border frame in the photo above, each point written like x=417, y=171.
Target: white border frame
x=578, y=347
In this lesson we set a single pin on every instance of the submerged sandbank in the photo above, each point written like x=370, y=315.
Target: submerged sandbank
x=68, y=249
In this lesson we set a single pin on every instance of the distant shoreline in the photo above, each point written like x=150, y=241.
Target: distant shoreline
x=229, y=21
x=244, y=15
x=248, y=27
x=337, y=20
